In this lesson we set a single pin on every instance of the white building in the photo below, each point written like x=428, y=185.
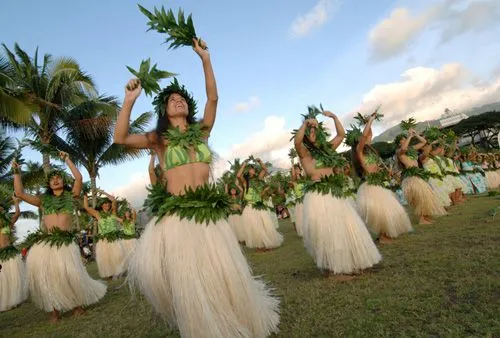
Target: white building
x=450, y=118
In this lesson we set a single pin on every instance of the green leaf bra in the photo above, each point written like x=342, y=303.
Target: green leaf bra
x=52, y=204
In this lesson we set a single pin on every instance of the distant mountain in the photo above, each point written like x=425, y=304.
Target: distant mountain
x=391, y=133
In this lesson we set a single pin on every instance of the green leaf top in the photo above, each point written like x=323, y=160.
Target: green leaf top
x=406, y=125
x=352, y=136
x=192, y=136
x=150, y=76
x=181, y=30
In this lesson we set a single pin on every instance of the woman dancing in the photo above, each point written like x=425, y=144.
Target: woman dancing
x=334, y=234
x=378, y=205
x=13, y=287
x=57, y=279
x=260, y=229
x=417, y=192
x=188, y=262
x=235, y=192
x=110, y=250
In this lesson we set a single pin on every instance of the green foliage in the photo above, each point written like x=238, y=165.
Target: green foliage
x=7, y=253
x=181, y=31
x=292, y=154
x=380, y=178
x=352, y=136
x=192, y=135
x=203, y=204
x=406, y=125
x=150, y=76
x=415, y=171
x=55, y=236
x=335, y=184
x=361, y=120
x=432, y=134
x=110, y=236
x=385, y=149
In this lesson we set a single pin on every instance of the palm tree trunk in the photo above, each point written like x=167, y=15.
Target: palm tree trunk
x=93, y=190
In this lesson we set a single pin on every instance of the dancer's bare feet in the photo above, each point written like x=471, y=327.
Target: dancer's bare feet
x=54, y=317
x=384, y=239
x=78, y=311
x=338, y=277
x=425, y=220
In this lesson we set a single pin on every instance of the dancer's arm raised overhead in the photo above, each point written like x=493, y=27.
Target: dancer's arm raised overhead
x=301, y=149
x=19, y=189
x=337, y=140
x=364, y=139
x=78, y=184
x=17, y=212
x=91, y=211
x=263, y=171
x=422, y=141
x=210, y=85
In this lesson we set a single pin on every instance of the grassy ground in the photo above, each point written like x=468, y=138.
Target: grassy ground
x=441, y=280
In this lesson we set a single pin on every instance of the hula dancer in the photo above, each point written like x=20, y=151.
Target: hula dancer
x=334, y=234
x=453, y=174
x=130, y=236
x=472, y=171
x=235, y=192
x=260, y=229
x=13, y=287
x=57, y=279
x=416, y=190
x=188, y=262
x=298, y=191
x=378, y=205
x=110, y=253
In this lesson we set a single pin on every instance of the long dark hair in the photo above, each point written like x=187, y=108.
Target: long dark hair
x=163, y=124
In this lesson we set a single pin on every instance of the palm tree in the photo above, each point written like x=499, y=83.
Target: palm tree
x=97, y=150
x=48, y=91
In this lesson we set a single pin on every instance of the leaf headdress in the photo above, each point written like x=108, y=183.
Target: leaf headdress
x=175, y=88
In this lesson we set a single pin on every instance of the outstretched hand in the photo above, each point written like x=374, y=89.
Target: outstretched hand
x=133, y=89
x=200, y=47
x=328, y=114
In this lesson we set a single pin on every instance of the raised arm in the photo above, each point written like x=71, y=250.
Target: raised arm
x=17, y=212
x=210, y=85
x=239, y=188
x=19, y=189
x=263, y=171
x=78, y=184
x=91, y=211
x=301, y=149
x=151, y=169
x=337, y=140
x=121, y=134
x=422, y=142
x=404, y=147
x=239, y=174
x=364, y=139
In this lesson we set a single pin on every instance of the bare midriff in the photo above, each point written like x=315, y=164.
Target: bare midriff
x=61, y=221
x=191, y=175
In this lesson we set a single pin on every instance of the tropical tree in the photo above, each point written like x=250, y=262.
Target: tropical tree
x=48, y=91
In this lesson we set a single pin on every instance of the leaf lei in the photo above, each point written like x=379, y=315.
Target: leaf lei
x=181, y=31
x=203, y=204
x=7, y=253
x=192, y=136
x=412, y=153
x=415, y=171
x=53, y=237
x=352, y=136
x=57, y=204
x=335, y=184
x=380, y=178
x=150, y=76
x=110, y=236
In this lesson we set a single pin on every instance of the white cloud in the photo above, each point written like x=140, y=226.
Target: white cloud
x=315, y=18
x=251, y=103
x=425, y=93
x=135, y=191
x=25, y=226
x=395, y=34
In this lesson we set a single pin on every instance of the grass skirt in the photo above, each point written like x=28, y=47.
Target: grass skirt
x=381, y=211
x=299, y=218
x=335, y=235
x=469, y=187
x=196, y=277
x=291, y=211
x=13, y=287
x=441, y=190
x=260, y=230
x=110, y=257
x=454, y=182
x=236, y=222
x=58, y=280
x=421, y=197
x=492, y=179
x=128, y=247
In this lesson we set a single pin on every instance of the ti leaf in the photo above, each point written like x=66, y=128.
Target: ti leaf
x=149, y=76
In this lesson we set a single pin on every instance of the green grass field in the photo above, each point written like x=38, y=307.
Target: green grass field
x=441, y=280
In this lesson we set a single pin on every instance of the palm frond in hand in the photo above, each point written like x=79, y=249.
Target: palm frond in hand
x=150, y=76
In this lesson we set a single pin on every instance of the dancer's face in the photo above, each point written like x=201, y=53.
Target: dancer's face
x=106, y=206
x=251, y=172
x=127, y=214
x=233, y=191
x=311, y=137
x=177, y=106
x=56, y=182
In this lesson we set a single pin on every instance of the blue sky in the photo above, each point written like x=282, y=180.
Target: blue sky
x=273, y=58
